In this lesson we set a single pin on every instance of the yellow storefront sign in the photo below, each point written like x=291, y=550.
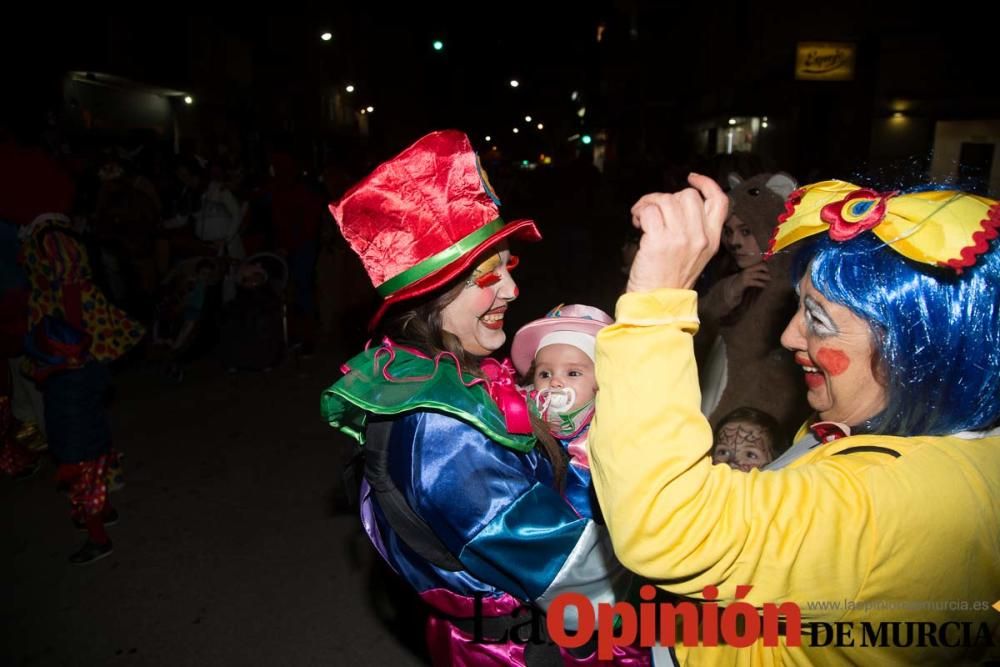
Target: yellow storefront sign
x=824, y=61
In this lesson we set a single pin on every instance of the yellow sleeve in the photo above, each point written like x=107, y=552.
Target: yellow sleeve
x=795, y=534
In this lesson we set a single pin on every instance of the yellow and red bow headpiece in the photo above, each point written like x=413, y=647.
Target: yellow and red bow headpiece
x=939, y=227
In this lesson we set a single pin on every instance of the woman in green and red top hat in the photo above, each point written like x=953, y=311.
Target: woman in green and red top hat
x=463, y=495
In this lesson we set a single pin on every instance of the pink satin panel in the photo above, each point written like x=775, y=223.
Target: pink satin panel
x=504, y=392
x=449, y=645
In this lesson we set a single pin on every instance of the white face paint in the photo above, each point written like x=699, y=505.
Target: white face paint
x=476, y=316
x=835, y=348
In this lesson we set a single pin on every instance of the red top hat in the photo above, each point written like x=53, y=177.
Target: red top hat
x=423, y=218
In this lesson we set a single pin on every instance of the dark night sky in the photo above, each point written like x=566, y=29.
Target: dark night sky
x=669, y=61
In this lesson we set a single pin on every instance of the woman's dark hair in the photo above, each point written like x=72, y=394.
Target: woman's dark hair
x=419, y=325
x=766, y=422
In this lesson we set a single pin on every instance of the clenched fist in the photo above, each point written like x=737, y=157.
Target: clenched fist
x=680, y=234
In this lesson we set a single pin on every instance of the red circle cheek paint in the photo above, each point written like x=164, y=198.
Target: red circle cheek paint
x=832, y=360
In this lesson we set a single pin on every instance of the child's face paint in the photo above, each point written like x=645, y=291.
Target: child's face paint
x=742, y=445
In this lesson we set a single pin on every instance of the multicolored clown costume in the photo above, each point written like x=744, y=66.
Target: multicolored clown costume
x=880, y=521
x=457, y=498
x=74, y=332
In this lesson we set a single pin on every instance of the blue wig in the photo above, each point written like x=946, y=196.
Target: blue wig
x=936, y=334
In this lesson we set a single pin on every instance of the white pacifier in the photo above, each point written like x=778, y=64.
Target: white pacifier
x=556, y=401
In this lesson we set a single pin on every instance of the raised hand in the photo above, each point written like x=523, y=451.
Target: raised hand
x=680, y=234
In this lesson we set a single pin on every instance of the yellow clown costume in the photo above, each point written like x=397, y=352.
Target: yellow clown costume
x=881, y=533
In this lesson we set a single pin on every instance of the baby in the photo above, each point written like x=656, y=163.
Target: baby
x=555, y=354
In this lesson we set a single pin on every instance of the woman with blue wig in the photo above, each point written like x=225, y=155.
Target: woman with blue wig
x=884, y=517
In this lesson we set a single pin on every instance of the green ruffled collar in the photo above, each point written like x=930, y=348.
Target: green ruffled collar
x=392, y=379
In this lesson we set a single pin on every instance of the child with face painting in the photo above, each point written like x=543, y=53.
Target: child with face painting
x=746, y=439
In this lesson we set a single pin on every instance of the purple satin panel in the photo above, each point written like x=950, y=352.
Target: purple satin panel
x=368, y=521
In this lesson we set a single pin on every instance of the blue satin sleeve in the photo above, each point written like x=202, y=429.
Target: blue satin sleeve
x=579, y=491
x=493, y=507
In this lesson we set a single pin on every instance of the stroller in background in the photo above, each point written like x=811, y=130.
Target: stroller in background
x=254, y=328
x=185, y=321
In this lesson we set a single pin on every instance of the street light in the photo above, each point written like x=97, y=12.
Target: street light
x=540, y=126
x=188, y=99
x=438, y=45
x=514, y=83
x=527, y=119
x=326, y=36
x=369, y=109
x=349, y=88
x=586, y=139
x=489, y=138
x=516, y=130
